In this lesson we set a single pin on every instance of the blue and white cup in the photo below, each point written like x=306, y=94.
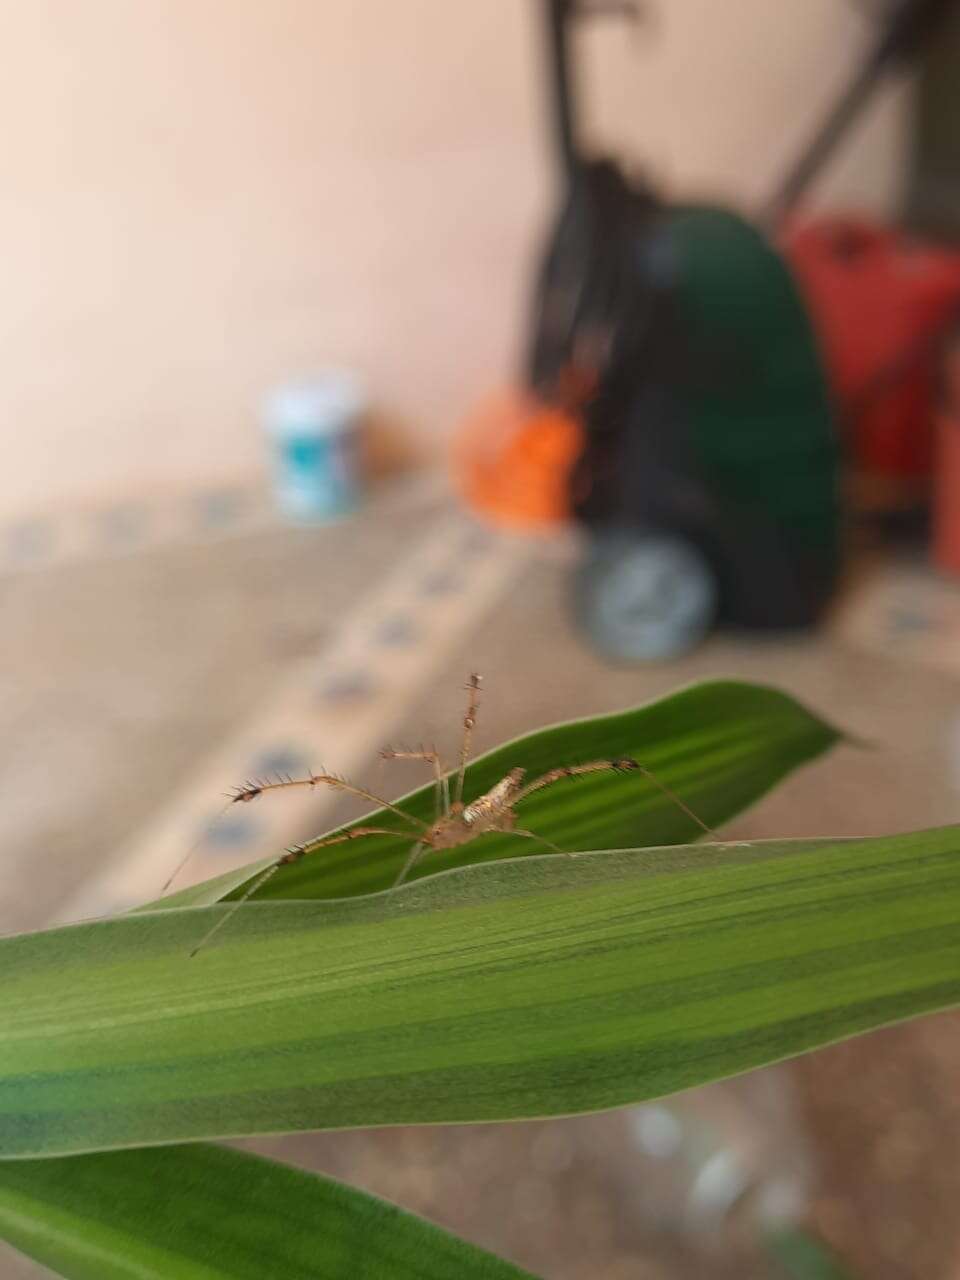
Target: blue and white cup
x=314, y=429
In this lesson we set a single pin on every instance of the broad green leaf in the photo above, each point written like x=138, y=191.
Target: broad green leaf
x=719, y=745
x=206, y=1213
x=536, y=986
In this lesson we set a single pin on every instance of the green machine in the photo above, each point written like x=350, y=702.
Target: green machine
x=710, y=476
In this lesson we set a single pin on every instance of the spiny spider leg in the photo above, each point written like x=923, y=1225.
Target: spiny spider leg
x=469, y=720
x=257, y=787
x=293, y=854
x=623, y=765
x=298, y=851
x=432, y=758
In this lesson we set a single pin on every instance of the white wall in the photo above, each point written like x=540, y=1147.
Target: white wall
x=200, y=197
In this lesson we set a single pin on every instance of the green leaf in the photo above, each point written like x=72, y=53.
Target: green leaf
x=719, y=745
x=538, y=986
x=803, y=1257
x=206, y=1213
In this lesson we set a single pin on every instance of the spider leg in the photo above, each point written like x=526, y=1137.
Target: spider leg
x=469, y=720
x=191, y=850
x=298, y=851
x=572, y=771
x=532, y=835
x=432, y=758
x=293, y=854
x=416, y=853
x=623, y=765
x=672, y=795
x=256, y=787
x=228, y=915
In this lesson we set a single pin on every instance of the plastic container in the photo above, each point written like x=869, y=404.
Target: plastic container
x=946, y=504
x=314, y=429
x=946, y=518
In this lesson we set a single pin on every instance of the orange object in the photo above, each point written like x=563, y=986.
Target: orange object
x=514, y=458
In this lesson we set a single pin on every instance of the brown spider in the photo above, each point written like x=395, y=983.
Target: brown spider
x=455, y=823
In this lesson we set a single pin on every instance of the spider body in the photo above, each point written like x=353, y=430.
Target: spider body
x=490, y=812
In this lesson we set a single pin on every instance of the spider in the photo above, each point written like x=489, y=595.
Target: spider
x=455, y=823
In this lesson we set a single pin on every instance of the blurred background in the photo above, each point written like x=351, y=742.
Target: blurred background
x=595, y=347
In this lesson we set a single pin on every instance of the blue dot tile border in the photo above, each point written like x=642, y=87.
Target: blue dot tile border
x=69, y=534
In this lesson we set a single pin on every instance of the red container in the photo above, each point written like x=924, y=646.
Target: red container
x=879, y=301
x=946, y=507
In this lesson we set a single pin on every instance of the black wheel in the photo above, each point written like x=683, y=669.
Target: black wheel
x=643, y=596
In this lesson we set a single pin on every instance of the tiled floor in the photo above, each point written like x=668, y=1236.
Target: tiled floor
x=122, y=676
